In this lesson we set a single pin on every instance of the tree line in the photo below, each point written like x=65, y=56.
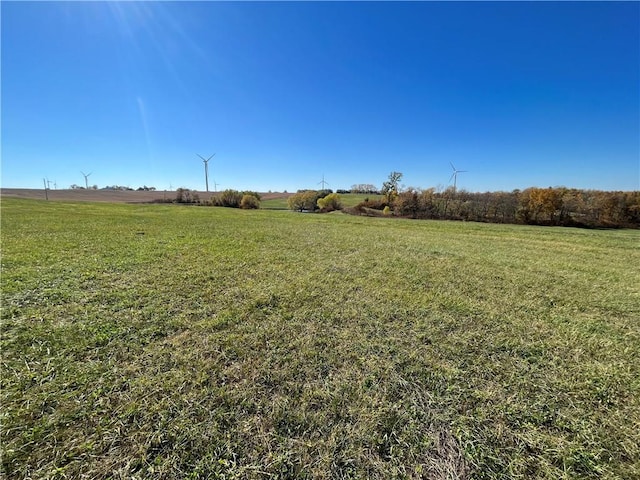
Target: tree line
x=535, y=206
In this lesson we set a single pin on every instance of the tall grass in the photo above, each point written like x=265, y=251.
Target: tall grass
x=183, y=342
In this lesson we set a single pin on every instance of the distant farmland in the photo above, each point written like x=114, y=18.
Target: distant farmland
x=111, y=196
x=269, y=200
x=157, y=341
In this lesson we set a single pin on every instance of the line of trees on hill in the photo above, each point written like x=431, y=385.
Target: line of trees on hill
x=227, y=198
x=535, y=206
x=366, y=188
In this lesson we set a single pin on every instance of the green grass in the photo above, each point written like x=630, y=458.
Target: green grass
x=164, y=341
x=274, y=204
x=353, y=199
x=347, y=199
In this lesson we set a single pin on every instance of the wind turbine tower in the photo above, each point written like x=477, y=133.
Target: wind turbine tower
x=206, y=169
x=86, y=179
x=454, y=175
x=323, y=183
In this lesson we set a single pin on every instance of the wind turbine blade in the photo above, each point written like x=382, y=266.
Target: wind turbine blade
x=211, y=157
x=454, y=168
x=460, y=171
x=452, y=176
x=201, y=157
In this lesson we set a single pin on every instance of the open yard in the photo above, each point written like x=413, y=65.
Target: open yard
x=165, y=341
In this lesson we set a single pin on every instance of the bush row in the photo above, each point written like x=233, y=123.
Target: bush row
x=313, y=200
x=227, y=198
x=236, y=199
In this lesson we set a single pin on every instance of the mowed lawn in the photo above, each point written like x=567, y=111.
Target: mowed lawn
x=165, y=341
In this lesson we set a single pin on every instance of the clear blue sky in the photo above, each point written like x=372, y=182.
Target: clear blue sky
x=519, y=94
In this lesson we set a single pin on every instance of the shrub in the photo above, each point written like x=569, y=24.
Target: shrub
x=253, y=194
x=184, y=195
x=330, y=203
x=227, y=198
x=249, y=202
x=304, y=200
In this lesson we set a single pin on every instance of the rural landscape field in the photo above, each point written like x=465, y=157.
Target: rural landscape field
x=170, y=341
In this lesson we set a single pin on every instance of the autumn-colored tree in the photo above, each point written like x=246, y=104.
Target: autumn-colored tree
x=304, y=200
x=540, y=205
x=249, y=201
x=184, y=195
x=407, y=203
x=329, y=203
x=428, y=203
x=227, y=198
x=633, y=208
x=391, y=187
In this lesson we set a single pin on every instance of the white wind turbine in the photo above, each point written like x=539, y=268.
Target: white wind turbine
x=86, y=179
x=454, y=175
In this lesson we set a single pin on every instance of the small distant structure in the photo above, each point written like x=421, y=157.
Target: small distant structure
x=454, y=176
x=206, y=168
x=86, y=179
x=323, y=183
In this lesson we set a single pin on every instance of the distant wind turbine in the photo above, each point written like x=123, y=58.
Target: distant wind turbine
x=323, y=183
x=454, y=175
x=86, y=179
x=206, y=168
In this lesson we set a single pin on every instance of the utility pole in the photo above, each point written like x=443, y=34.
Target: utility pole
x=206, y=168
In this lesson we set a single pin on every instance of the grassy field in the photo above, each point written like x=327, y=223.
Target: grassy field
x=279, y=203
x=347, y=200
x=163, y=341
